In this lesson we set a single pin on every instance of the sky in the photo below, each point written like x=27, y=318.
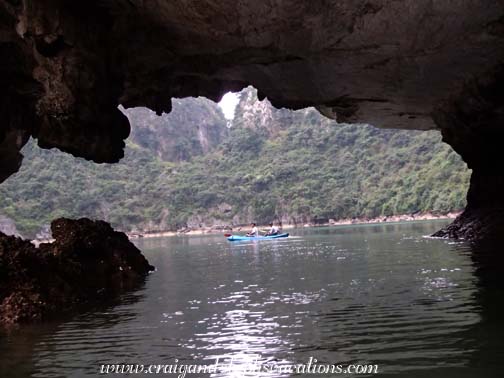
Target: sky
x=228, y=104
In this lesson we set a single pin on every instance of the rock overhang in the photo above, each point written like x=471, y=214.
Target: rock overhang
x=66, y=66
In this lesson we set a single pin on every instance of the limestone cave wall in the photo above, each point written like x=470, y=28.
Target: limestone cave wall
x=415, y=64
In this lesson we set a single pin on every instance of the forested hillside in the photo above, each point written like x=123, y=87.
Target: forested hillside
x=188, y=169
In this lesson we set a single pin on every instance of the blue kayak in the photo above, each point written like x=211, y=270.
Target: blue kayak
x=245, y=238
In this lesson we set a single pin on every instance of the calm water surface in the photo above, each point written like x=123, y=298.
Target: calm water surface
x=378, y=294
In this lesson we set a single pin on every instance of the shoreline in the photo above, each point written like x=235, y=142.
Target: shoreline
x=330, y=223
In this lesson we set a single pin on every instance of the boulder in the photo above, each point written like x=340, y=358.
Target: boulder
x=88, y=261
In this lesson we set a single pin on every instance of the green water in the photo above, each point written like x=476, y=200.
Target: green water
x=381, y=294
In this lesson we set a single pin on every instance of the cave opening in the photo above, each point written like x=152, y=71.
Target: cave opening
x=209, y=166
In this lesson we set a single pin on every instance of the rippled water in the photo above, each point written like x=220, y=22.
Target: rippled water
x=364, y=294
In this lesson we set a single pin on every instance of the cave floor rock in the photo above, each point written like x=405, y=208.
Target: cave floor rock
x=87, y=262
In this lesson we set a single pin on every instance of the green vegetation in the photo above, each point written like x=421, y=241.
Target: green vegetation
x=272, y=164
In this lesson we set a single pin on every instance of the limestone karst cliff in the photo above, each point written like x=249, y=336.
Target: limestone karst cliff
x=8, y=226
x=194, y=127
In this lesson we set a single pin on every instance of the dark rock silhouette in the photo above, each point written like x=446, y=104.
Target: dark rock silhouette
x=87, y=261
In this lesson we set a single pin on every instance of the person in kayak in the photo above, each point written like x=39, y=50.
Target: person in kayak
x=273, y=230
x=254, y=232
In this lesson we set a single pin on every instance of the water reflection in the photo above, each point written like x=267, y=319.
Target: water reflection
x=488, y=334
x=44, y=350
x=368, y=294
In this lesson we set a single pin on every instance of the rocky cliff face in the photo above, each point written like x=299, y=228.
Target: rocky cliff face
x=67, y=65
x=7, y=226
x=262, y=116
x=192, y=128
